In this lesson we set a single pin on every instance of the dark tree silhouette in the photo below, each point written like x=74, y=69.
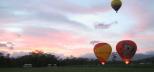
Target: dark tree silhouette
x=44, y=60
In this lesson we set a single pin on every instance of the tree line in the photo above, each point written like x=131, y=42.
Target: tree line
x=44, y=60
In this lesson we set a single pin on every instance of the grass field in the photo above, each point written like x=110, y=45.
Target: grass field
x=107, y=68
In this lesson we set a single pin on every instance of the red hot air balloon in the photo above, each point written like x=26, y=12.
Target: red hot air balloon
x=126, y=49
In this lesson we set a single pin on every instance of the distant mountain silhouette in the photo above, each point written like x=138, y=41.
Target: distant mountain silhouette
x=138, y=56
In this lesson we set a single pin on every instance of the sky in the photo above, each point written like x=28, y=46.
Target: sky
x=73, y=27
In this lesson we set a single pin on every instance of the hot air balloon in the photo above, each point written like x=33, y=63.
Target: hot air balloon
x=102, y=52
x=126, y=50
x=116, y=4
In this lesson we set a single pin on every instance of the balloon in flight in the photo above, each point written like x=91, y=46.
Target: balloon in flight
x=116, y=4
x=126, y=50
x=102, y=52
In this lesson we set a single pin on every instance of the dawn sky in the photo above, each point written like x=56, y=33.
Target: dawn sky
x=73, y=27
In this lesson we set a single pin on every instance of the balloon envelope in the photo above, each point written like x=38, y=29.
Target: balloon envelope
x=126, y=49
x=102, y=52
x=116, y=4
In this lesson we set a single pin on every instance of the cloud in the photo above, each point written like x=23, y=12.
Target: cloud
x=143, y=14
x=104, y=26
x=95, y=42
x=20, y=8
x=3, y=45
x=7, y=45
x=53, y=12
x=49, y=24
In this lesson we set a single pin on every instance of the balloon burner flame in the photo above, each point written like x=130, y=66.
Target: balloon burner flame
x=103, y=63
x=127, y=62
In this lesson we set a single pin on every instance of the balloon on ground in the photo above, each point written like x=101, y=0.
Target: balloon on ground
x=102, y=52
x=126, y=50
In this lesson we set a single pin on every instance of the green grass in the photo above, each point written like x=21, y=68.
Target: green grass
x=106, y=68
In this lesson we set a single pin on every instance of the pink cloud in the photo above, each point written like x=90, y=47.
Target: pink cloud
x=142, y=22
x=53, y=42
x=79, y=52
x=8, y=36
